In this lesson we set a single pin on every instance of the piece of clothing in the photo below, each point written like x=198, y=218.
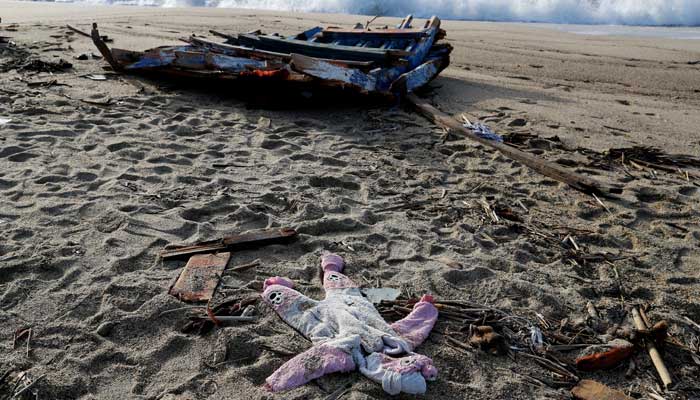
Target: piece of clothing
x=347, y=331
x=483, y=131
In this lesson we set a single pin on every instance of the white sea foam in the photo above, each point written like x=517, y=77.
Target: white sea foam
x=621, y=12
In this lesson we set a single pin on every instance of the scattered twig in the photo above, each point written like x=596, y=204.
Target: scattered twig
x=247, y=266
x=651, y=348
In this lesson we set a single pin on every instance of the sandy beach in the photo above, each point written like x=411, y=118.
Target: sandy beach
x=97, y=176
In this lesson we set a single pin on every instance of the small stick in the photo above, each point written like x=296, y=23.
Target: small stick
x=245, y=267
x=29, y=386
x=602, y=204
x=29, y=338
x=653, y=352
x=225, y=318
x=692, y=323
x=78, y=31
x=592, y=310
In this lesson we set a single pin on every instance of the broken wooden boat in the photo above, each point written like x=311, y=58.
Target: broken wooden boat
x=387, y=61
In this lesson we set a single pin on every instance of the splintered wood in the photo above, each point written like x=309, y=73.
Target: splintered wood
x=200, y=277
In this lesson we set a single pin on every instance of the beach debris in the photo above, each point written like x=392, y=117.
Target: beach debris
x=88, y=56
x=486, y=339
x=200, y=277
x=37, y=65
x=104, y=38
x=654, y=354
x=546, y=168
x=389, y=61
x=588, y=389
x=377, y=295
x=95, y=77
x=344, y=328
x=481, y=130
x=201, y=320
x=617, y=351
x=237, y=242
x=22, y=385
x=4, y=121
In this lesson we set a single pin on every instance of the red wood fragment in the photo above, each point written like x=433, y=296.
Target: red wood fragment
x=592, y=390
x=604, y=360
x=200, y=277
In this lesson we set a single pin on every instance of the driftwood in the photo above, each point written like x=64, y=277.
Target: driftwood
x=653, y=351
x=546, y=168
x=236, y=242
x=102, y=47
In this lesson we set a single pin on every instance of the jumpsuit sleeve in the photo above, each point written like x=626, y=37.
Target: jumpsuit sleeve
x=319, y=360
x=416, y=326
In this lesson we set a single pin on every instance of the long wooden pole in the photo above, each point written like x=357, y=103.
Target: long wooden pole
x=546, y=168
x=653, y=352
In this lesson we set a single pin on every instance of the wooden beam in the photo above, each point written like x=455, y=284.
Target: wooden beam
x=379, y=34
x=104, y=50
x=320, y=50
x=235, y=242
x=546, y=168
x=232, y=50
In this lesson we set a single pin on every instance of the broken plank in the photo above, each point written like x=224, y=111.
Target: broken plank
x=327, y=71
x=592, y=390
x=232, y=50
x=99, y=42
x=322, y=50
x=235, y=242
x=546, y=168
x=380, y=34
x=417, y=77
x=200, y=277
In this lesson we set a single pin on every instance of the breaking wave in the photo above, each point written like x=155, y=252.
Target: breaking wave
x=618, y=12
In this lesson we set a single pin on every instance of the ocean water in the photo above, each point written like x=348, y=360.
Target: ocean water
x=607, y=12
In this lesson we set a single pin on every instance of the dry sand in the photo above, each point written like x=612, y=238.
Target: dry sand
x=91, y=192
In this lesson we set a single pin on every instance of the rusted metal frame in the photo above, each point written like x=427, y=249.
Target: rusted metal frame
x=321, y=50
x=546, y=168
x=103, y=49
x=235, y=242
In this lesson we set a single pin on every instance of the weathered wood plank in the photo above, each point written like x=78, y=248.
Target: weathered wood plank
x=103, y=49
x=379, y=34
x=417, y=77
x=200, y=277
x=320, y=50
x=232, y=50
x=236, y=242
x=327, y=71
x=551, y=170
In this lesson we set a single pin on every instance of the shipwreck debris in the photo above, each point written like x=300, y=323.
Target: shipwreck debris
x=242, y=241
x=551, y=170
x=381, y=61
x=200, y=277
